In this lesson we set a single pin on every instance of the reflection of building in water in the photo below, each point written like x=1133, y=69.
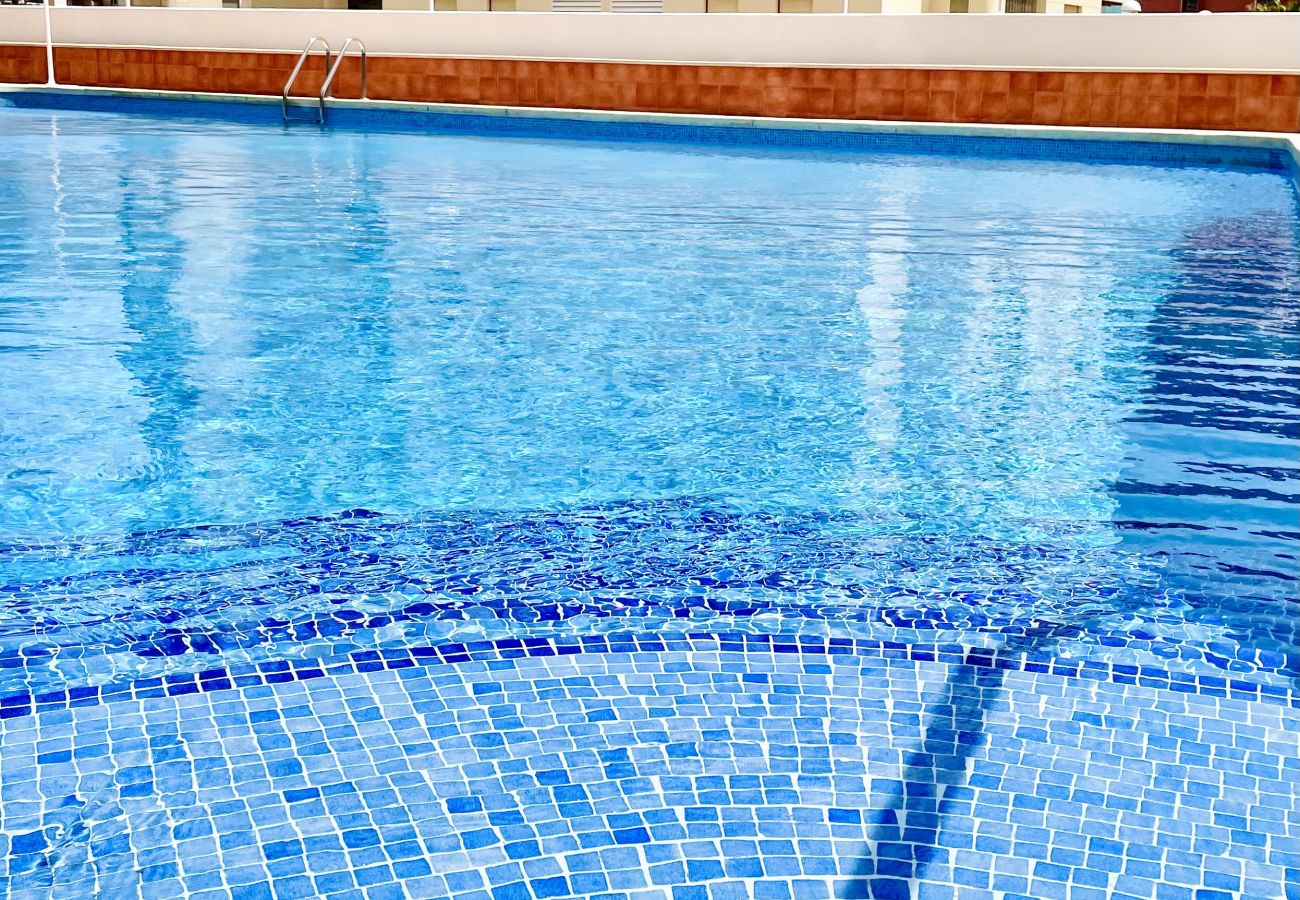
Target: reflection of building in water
x=71, y=412
x=882, y=304
x=1212, y=477
x=159, y=348
x=987, y=402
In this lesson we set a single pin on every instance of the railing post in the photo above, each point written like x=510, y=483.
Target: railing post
x=49, y=46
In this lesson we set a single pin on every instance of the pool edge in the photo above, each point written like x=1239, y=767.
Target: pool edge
x=1287, y=145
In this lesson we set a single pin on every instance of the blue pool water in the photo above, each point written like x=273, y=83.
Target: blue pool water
x=419, y=514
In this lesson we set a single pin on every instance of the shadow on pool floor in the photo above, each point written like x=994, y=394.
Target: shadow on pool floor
x=904, y=836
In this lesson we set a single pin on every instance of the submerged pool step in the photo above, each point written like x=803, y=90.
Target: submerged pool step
x=359, y=577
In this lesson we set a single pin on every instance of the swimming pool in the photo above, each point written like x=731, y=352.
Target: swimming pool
x=437, y=514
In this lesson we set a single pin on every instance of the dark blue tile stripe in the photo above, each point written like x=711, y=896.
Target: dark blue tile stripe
x=379, y=119
x=281, y=671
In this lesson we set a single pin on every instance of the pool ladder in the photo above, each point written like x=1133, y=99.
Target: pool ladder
x=330, y=72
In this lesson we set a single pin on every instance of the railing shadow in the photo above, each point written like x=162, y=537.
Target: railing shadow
x=903, y=835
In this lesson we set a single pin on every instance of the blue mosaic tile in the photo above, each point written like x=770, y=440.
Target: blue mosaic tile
x=381, y=780
x=283, y=672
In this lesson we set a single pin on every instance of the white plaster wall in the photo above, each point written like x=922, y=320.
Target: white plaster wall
x=1245, y=42
x=22, y=25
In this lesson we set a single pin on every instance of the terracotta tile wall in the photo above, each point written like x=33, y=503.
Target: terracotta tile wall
x=1151, y=100
x=20, y=64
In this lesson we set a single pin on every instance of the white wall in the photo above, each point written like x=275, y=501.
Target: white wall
x=22, y=25
x=1246, y=42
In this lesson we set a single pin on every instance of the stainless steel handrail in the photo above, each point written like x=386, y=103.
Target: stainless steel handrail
x=302, y=58
x=338, y=62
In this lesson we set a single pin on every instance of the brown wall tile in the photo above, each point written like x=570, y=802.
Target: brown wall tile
x=1027, y=82
x=1020, y=109
x=22, y=64
x=968, y=107
x=1141, y=99
x=1045, y=81
x=1103, y=109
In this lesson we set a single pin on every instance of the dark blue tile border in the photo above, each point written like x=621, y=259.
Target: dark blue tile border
x=281, y=671
x=1225, y=155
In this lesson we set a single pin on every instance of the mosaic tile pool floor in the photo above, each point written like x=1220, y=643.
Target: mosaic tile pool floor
x=706, y=767
x=572, y=513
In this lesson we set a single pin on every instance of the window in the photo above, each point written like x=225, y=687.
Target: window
x=1191, y=5
x=794, y=6
x=958, y=6
x=1071, y=8
x=721, y=6
x=1024, y=6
